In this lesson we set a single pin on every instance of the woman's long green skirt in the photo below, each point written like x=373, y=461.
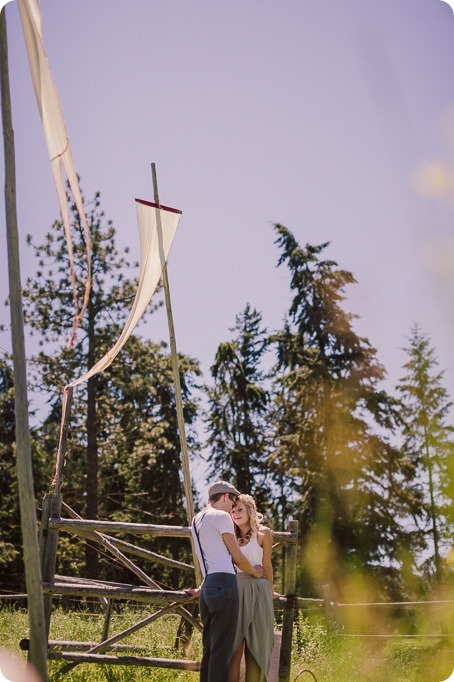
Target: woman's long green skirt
x=256, y=619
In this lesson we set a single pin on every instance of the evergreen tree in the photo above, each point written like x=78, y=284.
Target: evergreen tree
x=336, y=466
x=428, y=441
x=238, y=407
x=121, y=419
x=10, y=533
x=140, y=467
x=12, y=577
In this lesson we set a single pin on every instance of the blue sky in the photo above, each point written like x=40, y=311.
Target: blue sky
x=333, y=118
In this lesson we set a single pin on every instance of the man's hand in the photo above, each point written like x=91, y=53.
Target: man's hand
x=238, y=557
x=194, y=592
x=260, y=571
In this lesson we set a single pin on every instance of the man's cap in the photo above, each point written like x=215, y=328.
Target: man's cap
x=222, y=487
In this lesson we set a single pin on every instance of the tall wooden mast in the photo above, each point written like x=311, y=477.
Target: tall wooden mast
x=179, y=401
x=38, y=636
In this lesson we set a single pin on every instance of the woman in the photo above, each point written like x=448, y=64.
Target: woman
x=255, y=628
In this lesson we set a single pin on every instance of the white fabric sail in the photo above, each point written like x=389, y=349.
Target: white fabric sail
x=157, y=227
x=56, y=138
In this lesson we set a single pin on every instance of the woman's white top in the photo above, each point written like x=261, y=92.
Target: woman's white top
x=253, y=552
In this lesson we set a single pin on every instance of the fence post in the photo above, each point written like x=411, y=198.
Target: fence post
x=48, y=541
x=328, y=606
x=107, y=617
x=285, y=659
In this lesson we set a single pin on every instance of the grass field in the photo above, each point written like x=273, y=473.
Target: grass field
x=329, y=657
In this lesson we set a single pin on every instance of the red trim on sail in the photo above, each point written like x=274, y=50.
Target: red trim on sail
x=164, y=208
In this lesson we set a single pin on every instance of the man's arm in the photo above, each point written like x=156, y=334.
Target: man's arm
x=194, y=592
x=238, y=557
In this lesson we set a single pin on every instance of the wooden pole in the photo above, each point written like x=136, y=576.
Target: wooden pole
x=48, y=542
x=64, y=427
x=38, y=637
x=179, y=402
x=285, y=660
x=328, y=606
x=107, y=617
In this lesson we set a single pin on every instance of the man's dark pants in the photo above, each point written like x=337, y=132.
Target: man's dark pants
x=219, y=605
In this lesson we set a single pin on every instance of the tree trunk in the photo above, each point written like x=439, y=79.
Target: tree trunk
x=433, y=515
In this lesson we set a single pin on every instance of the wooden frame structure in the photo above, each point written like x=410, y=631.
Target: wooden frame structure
x=108, y=651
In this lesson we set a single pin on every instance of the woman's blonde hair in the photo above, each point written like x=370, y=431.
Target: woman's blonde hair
x=255, y=517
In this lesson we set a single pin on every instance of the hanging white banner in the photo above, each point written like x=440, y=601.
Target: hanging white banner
x=157, y=227
x=56, y=138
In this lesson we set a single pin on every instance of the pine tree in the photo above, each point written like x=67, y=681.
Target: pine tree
x=123, y=449
x=428, y=441
x=239, y=437
x=336, y=466
x=10, y=533
x=140, y=467
x=11, y=562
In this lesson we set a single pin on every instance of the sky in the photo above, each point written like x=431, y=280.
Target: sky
x=334, y=118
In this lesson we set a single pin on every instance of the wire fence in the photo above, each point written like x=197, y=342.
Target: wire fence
x=419, y=619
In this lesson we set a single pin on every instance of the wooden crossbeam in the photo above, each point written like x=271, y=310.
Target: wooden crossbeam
x=128, y=547
x=172, y=663
x=141, y=594
x=68, y=645
x=151, y=556
x=150, y=529
x=73, y=525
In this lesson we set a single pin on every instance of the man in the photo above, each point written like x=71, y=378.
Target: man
x=218, y=553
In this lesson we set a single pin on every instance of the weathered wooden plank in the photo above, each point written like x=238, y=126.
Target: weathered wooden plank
x=151, y=556
x=67, y=645
x=74, y=525
x=310, y=600
x=86, y=581
x=174, y=664
x=141, y=594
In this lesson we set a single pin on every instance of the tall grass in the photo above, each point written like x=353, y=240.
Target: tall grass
x=334, y=657
x=83, y=625
x=328, y=655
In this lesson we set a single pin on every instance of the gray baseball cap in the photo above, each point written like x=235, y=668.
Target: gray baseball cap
x=222, y=487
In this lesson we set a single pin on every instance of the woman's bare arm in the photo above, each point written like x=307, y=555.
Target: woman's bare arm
x=267, y=546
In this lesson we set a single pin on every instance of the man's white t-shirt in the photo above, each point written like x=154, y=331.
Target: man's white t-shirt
x=211, y=524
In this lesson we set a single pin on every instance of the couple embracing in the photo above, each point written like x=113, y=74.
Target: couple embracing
x=236, y=596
